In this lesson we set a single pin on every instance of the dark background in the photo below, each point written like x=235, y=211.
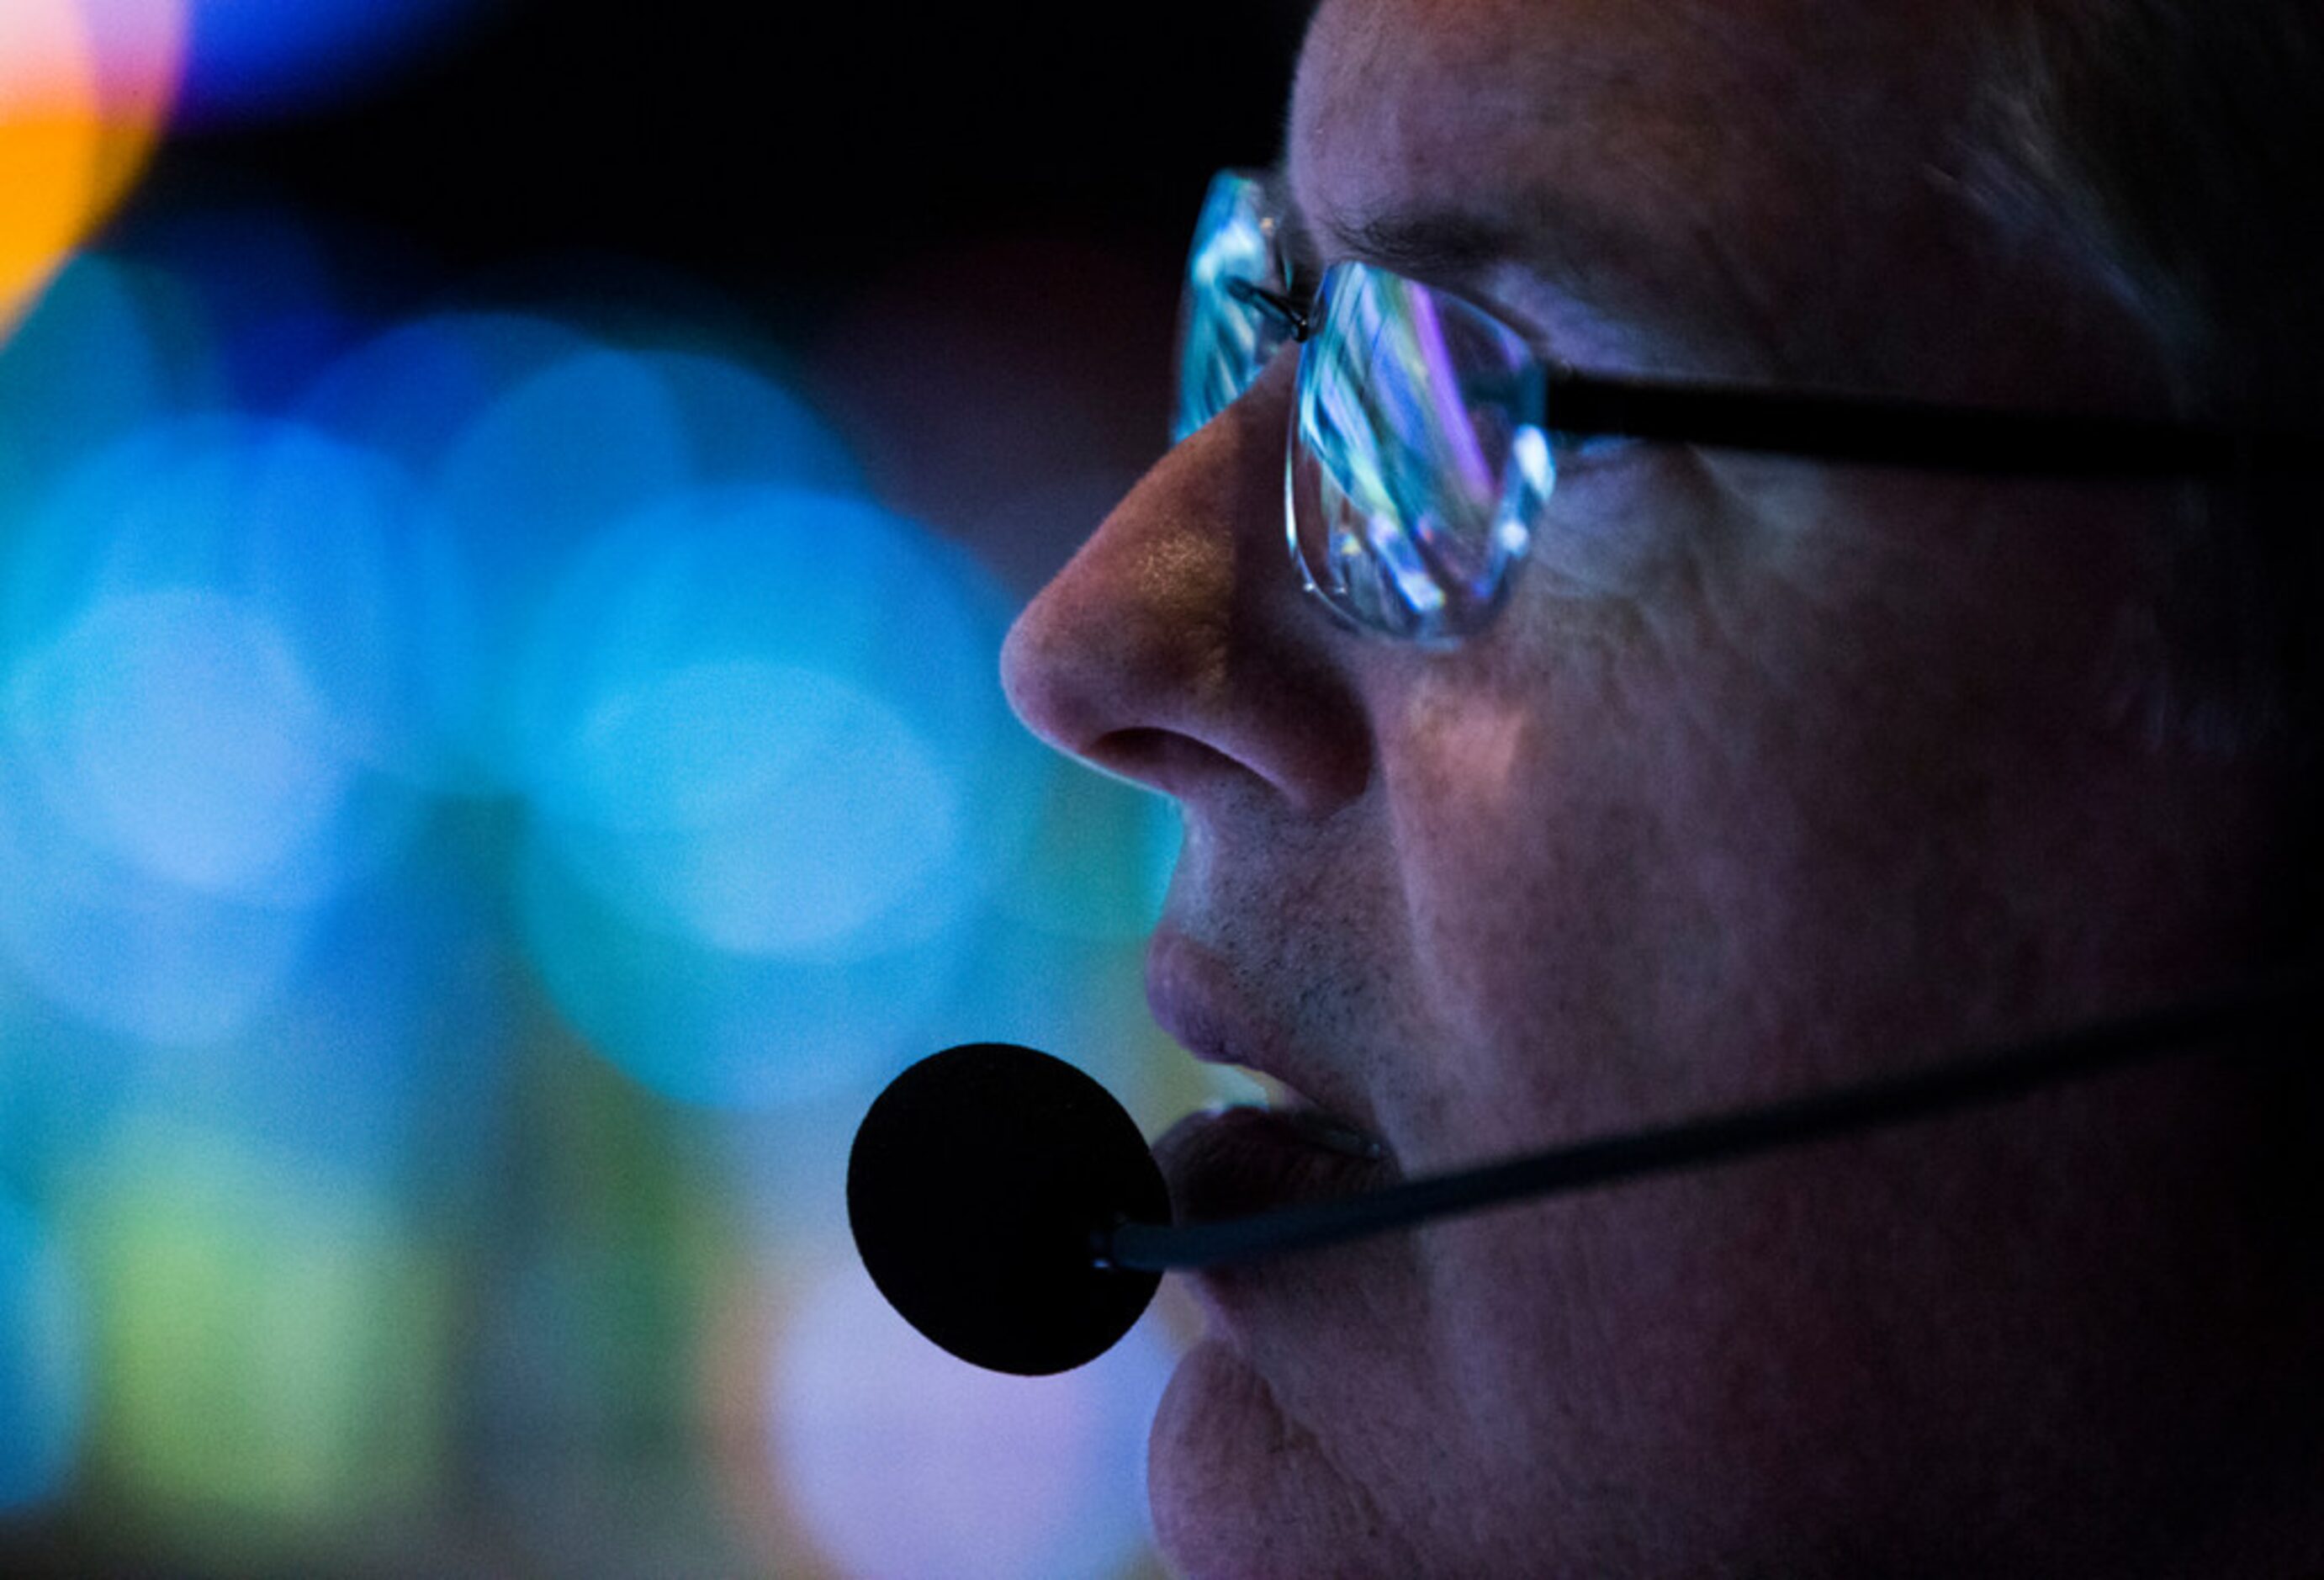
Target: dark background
x=779, y=152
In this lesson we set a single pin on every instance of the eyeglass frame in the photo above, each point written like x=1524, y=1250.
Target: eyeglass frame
x=1815, y=425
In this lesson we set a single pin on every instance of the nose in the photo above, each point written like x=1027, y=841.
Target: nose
x=1177, y=649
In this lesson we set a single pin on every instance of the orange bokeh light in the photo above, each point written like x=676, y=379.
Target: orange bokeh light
x=85, y=88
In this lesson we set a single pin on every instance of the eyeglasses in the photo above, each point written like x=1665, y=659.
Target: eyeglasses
x=1427, y=434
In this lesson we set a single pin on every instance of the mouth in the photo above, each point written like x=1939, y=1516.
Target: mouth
x=1230, y=1161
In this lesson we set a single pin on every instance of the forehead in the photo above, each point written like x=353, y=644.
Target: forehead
x=1683, y=167
x=1393, y=95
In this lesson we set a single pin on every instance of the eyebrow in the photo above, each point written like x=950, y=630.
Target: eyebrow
x=1443, y=243
x=1570, y=252
x=1569, y=249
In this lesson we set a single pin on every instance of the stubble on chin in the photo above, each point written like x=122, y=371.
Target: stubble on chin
x=1241, y=1488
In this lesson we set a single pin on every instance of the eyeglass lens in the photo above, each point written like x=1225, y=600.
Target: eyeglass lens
x=1225, y=340
x=1417, y=466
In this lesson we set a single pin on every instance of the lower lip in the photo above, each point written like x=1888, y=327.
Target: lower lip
x=1230, y=1162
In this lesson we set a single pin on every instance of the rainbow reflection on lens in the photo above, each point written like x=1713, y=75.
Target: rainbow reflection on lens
x=1225, y=337
x=1418, y=469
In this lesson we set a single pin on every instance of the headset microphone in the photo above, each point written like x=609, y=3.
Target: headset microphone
x=1009, y=1208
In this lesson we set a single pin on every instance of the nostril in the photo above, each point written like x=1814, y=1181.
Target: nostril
x=1165, y=759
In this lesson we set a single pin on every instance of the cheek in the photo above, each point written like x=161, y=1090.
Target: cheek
x=1595, y=1366
x=1556, y=794
x=1547, y=902
x=1701, y=811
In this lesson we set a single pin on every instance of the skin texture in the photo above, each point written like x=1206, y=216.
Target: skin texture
x=1771, y=775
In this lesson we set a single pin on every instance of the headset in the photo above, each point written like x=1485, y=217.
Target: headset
x=1009, y=1208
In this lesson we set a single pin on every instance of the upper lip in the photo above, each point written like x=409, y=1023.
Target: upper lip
x=1187, y=990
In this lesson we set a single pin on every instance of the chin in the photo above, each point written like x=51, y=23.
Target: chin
x=1241, y=1490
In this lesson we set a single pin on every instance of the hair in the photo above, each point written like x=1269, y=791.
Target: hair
x=2177, y=146
x=2178, y=140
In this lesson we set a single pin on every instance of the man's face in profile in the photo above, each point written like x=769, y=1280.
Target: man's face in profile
x=1771, y=775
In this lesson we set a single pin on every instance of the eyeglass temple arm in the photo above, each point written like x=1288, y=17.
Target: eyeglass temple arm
x=1951, y=438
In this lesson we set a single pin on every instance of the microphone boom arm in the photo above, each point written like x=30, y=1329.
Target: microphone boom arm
x=2091, y=1050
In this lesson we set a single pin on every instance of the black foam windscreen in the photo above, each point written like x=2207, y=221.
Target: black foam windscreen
x=980, y=1188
